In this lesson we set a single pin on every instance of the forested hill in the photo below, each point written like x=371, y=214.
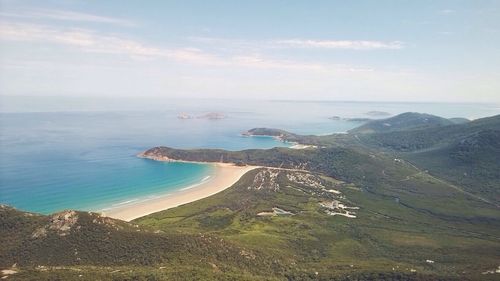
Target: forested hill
x=403, y=122
x=74, y=245
x=425, y=138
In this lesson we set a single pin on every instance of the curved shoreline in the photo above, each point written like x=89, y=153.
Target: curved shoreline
x=226, y=174
x=292, y=144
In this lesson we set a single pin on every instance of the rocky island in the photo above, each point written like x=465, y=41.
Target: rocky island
x=209, y=116
x=376, y=113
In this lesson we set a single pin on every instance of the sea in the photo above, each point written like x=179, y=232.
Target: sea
x=69, y=153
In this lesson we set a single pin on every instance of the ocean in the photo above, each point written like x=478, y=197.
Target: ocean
x=57, y=156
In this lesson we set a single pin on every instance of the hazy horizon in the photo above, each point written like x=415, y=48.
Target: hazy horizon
x=233, y=107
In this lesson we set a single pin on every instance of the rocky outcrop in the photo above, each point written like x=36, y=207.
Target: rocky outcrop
x=60, y=223
x=266, y=179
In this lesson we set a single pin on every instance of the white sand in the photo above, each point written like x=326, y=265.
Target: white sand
x=225, y=176
x=302, y=146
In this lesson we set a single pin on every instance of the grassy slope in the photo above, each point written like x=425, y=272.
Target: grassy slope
x=406, y=217
x=471, y=162
x=421, y=139
x=100, y=246
x=464, y=154
x=403, y=122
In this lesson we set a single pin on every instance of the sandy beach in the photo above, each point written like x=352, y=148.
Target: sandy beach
x=225, y=176
x=302, y=146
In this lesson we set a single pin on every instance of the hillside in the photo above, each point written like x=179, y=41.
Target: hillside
x=471, y=162
x=327, y=229
x=413, y=140
x=72, y=243
x=267, y=132
x=342, y=163
x=283, y=135
x=465, y=154
x=402, y=122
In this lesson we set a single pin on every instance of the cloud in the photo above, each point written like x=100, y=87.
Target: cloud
x=91, y=41
x=94, y=42
x=340, y=44
x=259, y=61
x=301, y=43
x=85, y=39
x=63, y=15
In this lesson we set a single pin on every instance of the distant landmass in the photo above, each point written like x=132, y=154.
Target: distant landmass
x=410, y=197
x=402, y=122
x=375, y=113
x=210, y=116
x=358, y=119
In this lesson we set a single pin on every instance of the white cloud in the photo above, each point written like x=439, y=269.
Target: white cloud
x=244, y=53
x=340, y=44
x=62, y=15
x=301, y=43
x=90, y=41
x=259, y=61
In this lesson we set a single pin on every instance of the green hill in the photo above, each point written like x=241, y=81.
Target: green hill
x=71, y=243
x=405, y=217
x=266, y=132
x=465, y=154
x=395, y=199
x=402, y=122
x=414, y=140
x=471, y=162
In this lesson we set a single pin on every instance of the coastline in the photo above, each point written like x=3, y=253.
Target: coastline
x=293, y=144
x=226, y=174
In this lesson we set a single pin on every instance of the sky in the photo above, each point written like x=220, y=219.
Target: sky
x=422, y=51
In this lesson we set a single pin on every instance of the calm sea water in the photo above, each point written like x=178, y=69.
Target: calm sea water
x=82, y=156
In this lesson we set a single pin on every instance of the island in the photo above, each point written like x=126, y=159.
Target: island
x=376, y=113
x=212, y=116
x=355, y=119
x=209, y=116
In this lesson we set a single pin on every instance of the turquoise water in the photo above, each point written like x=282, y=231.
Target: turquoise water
x=84, y=158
